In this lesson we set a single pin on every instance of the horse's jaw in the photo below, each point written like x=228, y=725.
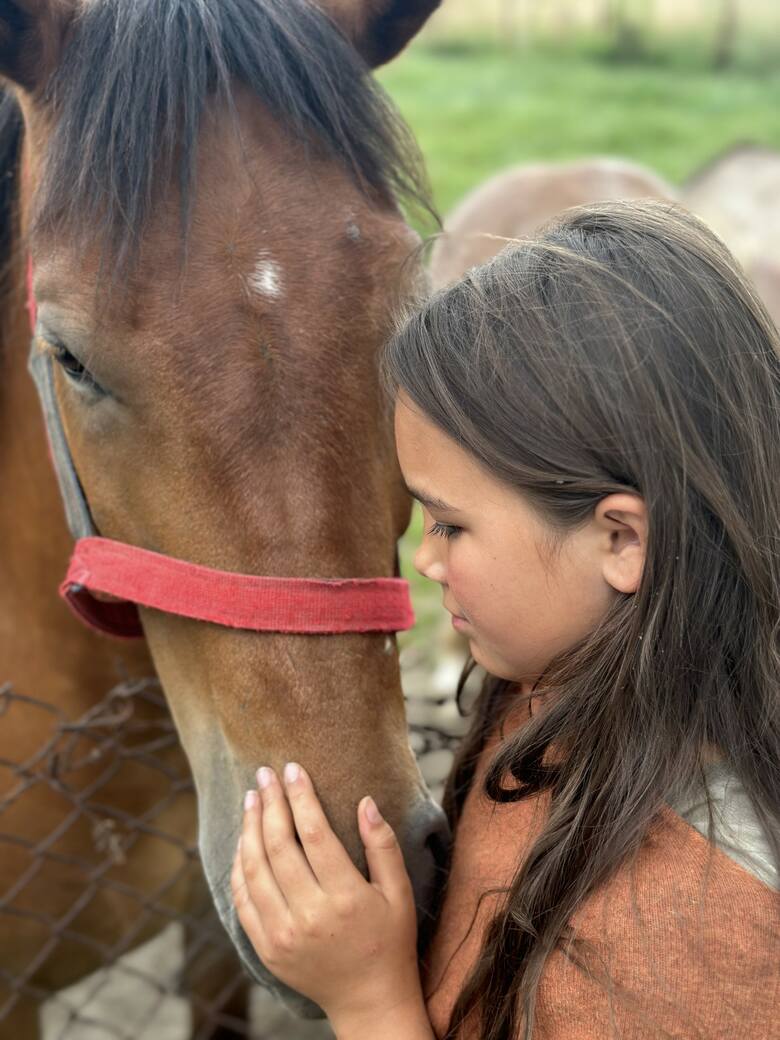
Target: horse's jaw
x=219, y=800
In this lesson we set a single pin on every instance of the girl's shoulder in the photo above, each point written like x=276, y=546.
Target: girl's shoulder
x=708, y=887
x=721, y=811
x=681, y=941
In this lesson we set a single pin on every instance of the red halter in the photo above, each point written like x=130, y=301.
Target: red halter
x=136, y=576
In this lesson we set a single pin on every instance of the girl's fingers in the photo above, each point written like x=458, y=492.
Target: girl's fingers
x=242, y=900
x=290, y=868
x=256, y=871
x=327, y=857
x=386, y=864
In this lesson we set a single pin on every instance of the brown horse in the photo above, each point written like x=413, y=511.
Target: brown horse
x=515, y=202
x=738, y=194
x=209, y=195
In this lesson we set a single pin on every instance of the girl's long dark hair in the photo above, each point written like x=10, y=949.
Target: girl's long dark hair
x=621, y=349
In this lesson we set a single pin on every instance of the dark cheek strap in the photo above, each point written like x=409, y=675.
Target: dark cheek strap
x=77, y=511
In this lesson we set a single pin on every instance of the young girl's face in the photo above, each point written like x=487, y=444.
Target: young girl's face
x=518, y=592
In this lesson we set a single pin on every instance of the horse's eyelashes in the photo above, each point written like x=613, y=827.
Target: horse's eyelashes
x=74, y=369
x=69, y=362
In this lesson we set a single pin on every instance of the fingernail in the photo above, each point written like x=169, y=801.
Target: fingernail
x=264, y=776
x=291, y=772
x=373, y=814
x=250, y=800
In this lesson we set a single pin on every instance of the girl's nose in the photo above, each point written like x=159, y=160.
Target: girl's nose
x=428, y=562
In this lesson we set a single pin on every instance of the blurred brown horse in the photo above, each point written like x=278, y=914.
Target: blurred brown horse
x=738, y=194
x=210, y=197
x=515, y=202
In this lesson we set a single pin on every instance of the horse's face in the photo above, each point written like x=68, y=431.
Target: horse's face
x=226, y=411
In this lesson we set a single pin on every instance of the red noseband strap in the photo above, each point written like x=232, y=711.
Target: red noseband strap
x=302, y=605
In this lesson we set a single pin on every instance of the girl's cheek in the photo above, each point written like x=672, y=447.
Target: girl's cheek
x=460, y=588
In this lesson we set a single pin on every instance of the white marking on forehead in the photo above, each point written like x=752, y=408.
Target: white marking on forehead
x=266, y=278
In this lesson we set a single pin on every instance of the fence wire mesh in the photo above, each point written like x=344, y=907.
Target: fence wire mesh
x=85, y=879
x=107, y=929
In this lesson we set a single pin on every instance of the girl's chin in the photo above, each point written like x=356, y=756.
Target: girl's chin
x=494, y=666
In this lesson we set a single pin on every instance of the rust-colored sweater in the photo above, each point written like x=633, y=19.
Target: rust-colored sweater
x=690, y=939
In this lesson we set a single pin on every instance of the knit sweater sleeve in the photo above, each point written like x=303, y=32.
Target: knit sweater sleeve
x=682, y=942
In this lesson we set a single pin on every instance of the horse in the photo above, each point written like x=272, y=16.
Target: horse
x=209, y=193
x=515, y=202
x=738, y=194
x=52, y=847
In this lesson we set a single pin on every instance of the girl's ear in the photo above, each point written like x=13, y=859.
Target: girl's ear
x=379, y=29
x=622, y=519
x=31, y=34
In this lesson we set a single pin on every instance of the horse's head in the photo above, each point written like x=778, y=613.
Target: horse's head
x=210, y=195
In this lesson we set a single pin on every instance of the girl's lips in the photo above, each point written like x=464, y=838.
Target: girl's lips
x=457, y=620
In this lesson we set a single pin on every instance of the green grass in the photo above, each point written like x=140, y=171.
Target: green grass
x=478, y=109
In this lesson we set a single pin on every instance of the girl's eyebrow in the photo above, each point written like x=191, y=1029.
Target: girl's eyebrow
x=430, y=502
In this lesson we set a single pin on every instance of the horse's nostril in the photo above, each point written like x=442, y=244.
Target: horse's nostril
x=435, y=836
x=439, y=843
x=426, y=849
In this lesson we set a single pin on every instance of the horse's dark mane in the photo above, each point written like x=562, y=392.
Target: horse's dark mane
x=10, y=140
x=130, y=90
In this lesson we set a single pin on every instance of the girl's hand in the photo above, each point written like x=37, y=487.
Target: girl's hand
x=346, y=943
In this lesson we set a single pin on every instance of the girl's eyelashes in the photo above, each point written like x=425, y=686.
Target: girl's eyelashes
x=444, y=530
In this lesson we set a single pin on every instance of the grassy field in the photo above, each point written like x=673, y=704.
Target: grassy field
x=476, y=109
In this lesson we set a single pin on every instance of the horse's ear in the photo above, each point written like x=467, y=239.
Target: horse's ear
x=379, y=29
x=31, y=33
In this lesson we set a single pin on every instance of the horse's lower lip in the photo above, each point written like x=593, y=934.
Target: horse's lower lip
x=458, y=622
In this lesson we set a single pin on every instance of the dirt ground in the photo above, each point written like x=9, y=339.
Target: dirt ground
x=120, y=1002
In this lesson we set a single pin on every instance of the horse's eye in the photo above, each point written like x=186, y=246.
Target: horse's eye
x=69, y=364
x=75, y=371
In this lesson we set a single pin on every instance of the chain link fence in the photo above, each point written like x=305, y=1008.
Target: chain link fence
x=89, y=948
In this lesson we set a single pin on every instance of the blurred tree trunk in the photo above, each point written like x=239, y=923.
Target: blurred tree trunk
x=507, y=21
x=625, y=31
x=726, y=34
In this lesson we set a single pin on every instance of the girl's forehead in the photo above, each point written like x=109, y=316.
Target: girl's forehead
x=438, y=471
x=420, y=442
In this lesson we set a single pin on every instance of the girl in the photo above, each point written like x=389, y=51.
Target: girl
x=592, y=425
